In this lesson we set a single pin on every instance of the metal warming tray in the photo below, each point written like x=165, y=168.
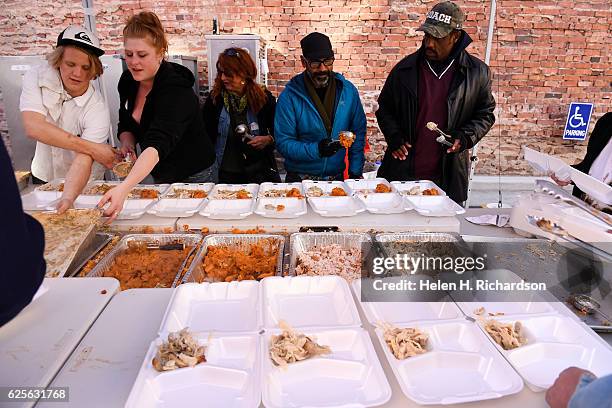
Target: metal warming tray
x=301, y=242
x=99, y=241
x=196, y=273
x=415, y=237
x=189, y=239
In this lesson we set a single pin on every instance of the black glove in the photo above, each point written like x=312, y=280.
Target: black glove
x=328, y=147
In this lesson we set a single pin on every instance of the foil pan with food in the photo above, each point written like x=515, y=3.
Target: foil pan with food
x=148, y=260
x=237, y=257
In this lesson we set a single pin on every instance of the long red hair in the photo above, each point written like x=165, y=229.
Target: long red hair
x=239, y=62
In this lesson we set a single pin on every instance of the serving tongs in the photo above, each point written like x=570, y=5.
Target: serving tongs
x=166, y=247
x=553, y=228
x=557, y=192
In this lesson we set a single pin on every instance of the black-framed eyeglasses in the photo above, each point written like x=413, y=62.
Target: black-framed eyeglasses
x=315, y=64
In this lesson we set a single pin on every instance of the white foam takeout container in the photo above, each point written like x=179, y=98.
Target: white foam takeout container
x=460, y=365
x=336, y=206
x=308, y=301
x=230, y=209
x=554, y=343
x=545, y=163
x=378, y=203
x=435, y=206
x=407, y=311
x=593, y=187
x=367, y=186
x=133, y=208
x=230, y=377
x=326, y=186
x=220, y=307
x=42, y=200
x=350, y=376
x=265, y=187
x=403, y=187
x=180, y=207
x=385, y=203
x=506, y=308
x=294, y=207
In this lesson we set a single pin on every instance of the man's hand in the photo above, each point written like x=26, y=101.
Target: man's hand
x=328, y=147
x=260, y=142
x=455, y=147
x=564, y=387
x=128, y=144
x=64, y=205
x=104, y=154
x=127, y=150
x=402, y=152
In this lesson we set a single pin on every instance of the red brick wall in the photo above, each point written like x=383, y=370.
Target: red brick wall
x=545, y=53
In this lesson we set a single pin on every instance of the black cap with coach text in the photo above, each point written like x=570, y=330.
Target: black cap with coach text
x=442, y=19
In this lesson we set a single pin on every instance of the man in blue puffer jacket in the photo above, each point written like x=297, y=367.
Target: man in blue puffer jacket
x=314, y=108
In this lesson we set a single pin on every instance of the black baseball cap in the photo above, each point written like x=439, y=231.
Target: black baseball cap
x=442, y=19
x=80, y=37
x=316, y=46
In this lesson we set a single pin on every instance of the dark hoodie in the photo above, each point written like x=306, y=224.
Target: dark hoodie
x=171, y=123
x=22, y=243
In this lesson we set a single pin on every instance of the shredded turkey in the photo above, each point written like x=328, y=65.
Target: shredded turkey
x=406, y=342
x=122, y=169
x=186, y=193
x=330, y=260
x=277, y=193
x=51, y=187
x=416, y=190
x=314, y=191
x=181, y=350
x=291, y=346
x=507, y=335
x=241, y=194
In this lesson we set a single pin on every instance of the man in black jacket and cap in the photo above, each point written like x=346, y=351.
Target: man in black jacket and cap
x=440, y=83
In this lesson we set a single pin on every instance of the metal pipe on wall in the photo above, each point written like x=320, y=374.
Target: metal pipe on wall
x=90, y=23
x=474, y=155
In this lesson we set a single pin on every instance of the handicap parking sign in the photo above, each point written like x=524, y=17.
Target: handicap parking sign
x=577, y=123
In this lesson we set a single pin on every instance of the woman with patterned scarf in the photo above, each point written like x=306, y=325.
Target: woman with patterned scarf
x=236, y=99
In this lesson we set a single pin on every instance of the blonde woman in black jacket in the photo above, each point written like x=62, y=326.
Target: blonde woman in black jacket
x=160, y=111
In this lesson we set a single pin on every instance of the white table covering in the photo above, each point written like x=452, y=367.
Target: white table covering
x=103, y=368
x=37, y=342
x=363, y=222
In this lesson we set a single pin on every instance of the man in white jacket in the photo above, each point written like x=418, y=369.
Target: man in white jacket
x=66, y=115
